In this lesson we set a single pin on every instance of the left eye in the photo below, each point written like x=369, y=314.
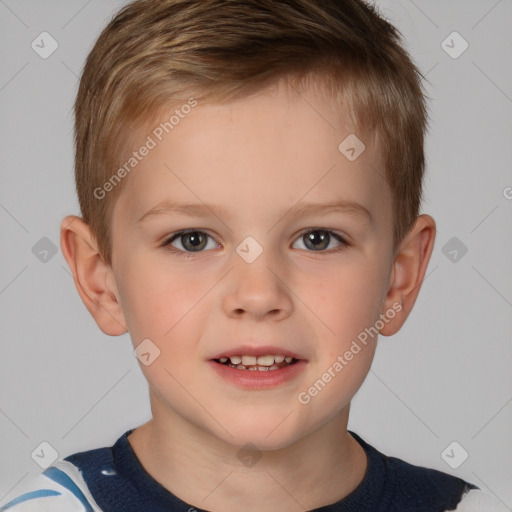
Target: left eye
x=191, y=241
x=319, y=239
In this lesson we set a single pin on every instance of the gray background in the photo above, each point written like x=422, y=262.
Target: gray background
x=444, y=377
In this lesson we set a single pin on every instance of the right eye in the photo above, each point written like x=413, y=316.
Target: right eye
x=189, y=241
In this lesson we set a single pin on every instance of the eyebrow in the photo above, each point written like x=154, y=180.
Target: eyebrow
x=301, y=209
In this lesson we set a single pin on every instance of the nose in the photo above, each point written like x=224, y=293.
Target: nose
x=258, y=290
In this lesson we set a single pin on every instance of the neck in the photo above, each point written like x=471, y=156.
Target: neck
x=204, y=471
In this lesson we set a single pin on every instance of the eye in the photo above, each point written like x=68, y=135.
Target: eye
x=190, y=240
x=317, y=239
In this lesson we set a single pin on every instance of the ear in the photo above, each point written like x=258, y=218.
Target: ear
x=94, y=279
x=409, y=267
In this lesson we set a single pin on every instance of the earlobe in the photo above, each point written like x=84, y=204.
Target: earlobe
x=409, y=268
x=91, y=275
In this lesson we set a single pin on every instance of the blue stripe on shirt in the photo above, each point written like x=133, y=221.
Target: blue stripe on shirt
x=42, y=493
x=63, y=479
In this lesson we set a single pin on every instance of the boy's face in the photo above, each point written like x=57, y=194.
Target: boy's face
x=247, y=166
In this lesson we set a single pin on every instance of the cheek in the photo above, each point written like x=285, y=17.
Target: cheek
x=346, y=300
x=156, y=298
x=352, y=303
x=347, y=303
x=163, y=305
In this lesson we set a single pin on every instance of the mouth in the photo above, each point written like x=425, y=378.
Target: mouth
x=262, y=363
x=258, y=368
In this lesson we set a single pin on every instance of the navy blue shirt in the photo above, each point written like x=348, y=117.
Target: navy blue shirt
x=119, y=483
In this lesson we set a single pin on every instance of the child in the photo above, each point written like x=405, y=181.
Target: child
x=283, y=141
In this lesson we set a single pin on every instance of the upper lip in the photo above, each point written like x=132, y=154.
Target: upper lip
x=257, y=350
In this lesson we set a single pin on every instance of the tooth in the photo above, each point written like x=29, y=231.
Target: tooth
x=274, y=367
x=223, y=359
x=278, y=359
x=263, y=368
x=252, y=368
x=236, y=359
x=248, y=360
x=240, y=367
x=266, y=360
x=288, y=359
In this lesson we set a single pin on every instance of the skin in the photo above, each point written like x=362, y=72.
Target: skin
x=257, y=157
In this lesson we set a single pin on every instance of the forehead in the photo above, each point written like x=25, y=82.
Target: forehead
x=275, y=148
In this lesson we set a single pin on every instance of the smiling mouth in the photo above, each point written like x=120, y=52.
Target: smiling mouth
x=261, y=363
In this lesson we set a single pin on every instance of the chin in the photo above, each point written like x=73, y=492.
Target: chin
x=265, y=431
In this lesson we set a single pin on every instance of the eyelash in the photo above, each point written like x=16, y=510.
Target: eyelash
x=190, y=254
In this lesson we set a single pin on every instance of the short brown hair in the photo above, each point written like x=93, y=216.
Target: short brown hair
x=155, y=53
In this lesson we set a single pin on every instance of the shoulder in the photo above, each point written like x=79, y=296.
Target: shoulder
x=404, y=486
x=60, y=488
x=412, y=480
x=477, y=501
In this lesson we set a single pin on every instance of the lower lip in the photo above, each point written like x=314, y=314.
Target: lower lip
x=256, y=379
